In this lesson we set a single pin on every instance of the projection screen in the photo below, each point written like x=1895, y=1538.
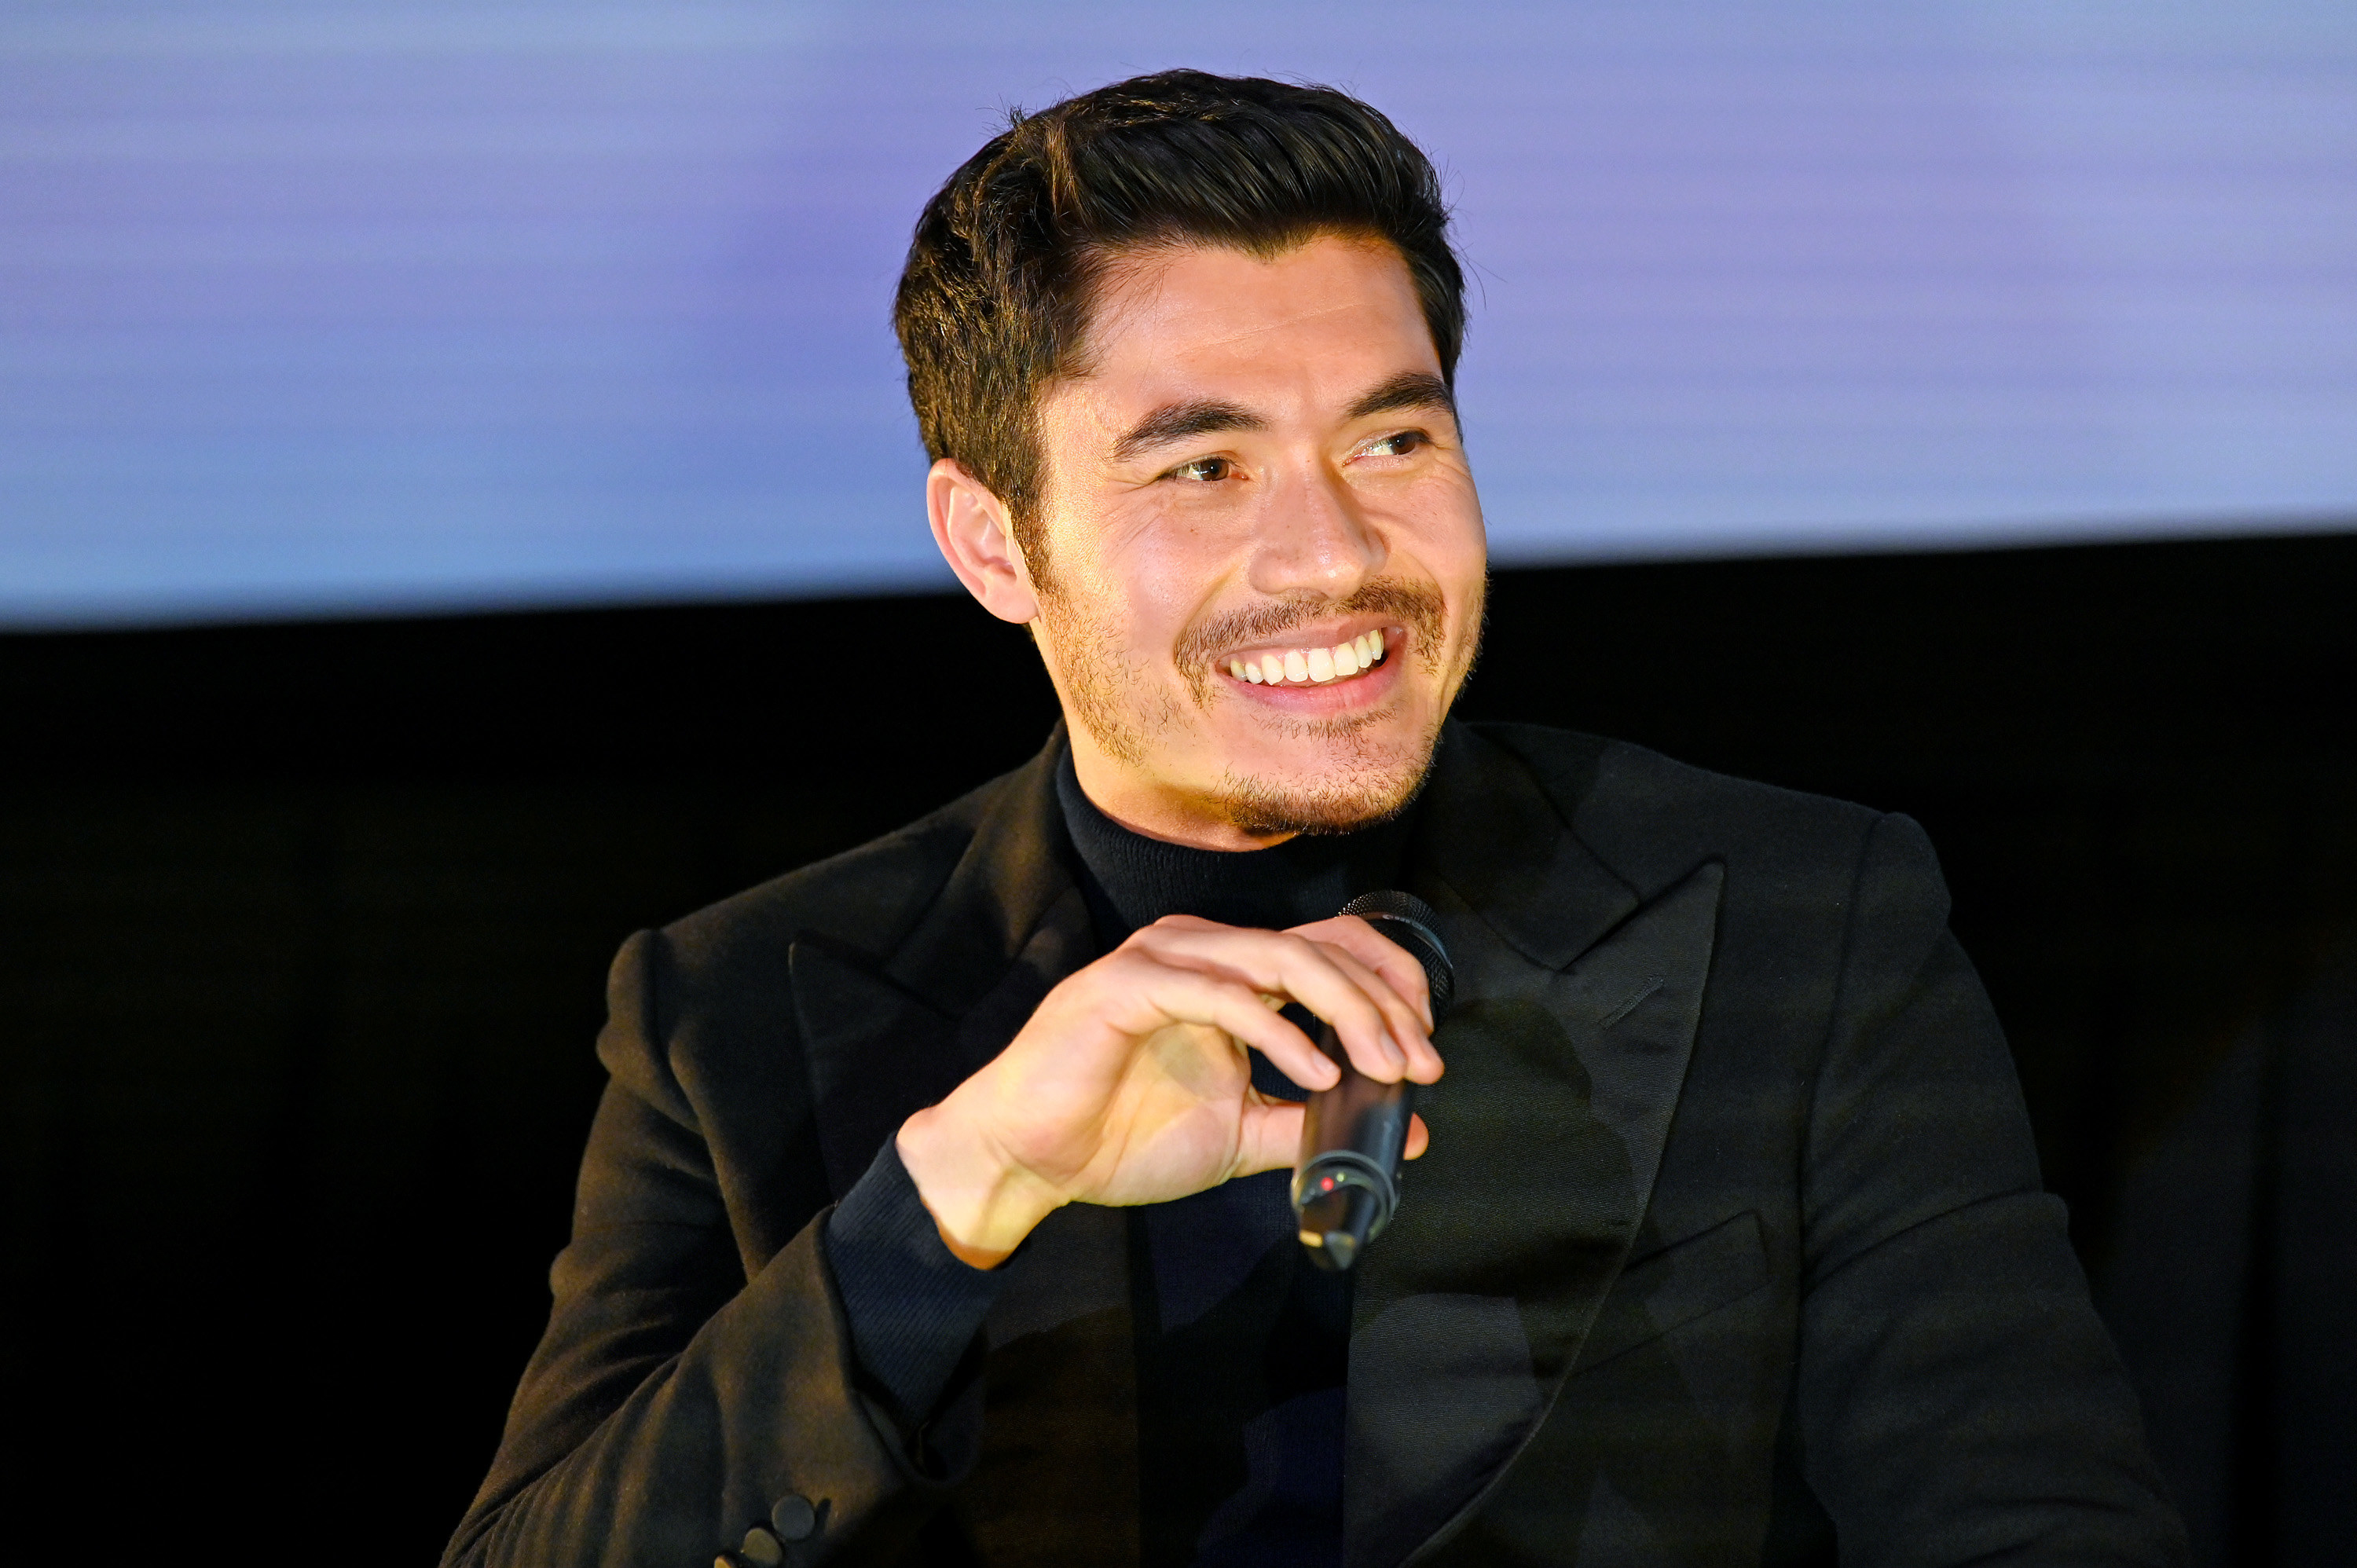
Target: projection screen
x=395, y=306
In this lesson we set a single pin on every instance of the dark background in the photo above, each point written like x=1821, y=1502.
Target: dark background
x=304, y=929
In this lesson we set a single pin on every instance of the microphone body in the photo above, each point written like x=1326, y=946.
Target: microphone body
x=1346, y=1181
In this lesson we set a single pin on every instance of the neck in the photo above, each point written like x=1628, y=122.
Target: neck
x=1131, y=880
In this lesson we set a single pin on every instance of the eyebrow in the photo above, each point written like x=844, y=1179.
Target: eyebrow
x=1410, y=389
x=1178, y=421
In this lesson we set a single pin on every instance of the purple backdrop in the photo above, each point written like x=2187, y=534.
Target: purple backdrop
x=400, y=306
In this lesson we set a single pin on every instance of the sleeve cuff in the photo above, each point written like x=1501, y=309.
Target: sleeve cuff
x=913, y=1308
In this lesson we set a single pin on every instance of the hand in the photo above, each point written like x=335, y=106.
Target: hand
x=1131, y=1084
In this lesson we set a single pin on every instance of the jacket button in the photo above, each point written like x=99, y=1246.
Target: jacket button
x=761, y=1549
x=793, y=1518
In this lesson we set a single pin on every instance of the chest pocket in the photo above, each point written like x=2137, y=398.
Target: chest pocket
x=1670, y=1288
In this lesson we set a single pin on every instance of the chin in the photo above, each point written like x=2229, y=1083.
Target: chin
x=1358, y=786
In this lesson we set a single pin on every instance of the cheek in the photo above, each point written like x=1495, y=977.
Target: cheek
x=1166, y=570
x=1107, y=631
x=1461, y=542
x=1436, y=534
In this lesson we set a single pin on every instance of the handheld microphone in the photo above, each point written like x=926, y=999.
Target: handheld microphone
x=1346, y=1183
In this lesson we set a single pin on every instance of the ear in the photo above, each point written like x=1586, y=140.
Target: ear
x=970, y=524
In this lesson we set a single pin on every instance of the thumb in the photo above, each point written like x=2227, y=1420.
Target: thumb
x=1270, y=1137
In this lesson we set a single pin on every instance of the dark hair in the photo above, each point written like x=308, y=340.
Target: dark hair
x=994, y=302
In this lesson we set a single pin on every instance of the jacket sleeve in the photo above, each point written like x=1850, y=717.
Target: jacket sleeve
x=674, y=1401
x=1959, y=1400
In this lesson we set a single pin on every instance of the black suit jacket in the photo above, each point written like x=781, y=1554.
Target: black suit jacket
x=1730, y=1242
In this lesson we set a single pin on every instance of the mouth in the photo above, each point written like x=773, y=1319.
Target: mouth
x=1341, y=663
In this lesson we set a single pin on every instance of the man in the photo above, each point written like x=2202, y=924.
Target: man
x=936, y=1209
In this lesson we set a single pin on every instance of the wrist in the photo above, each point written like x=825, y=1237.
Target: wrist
x=983, y=1203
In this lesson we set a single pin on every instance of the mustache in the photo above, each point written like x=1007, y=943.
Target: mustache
x=1416, y=605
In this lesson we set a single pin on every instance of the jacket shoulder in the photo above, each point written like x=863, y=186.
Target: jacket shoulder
x=1652, y=818
x=867, y=898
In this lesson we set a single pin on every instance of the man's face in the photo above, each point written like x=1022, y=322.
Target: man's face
x=1259, y=474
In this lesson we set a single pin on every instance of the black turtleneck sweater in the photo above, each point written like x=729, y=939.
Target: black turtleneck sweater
x=1241, y=1343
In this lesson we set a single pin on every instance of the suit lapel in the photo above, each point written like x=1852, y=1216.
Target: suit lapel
x=1056, y=1481
x=888, y=1035
x=1578, y=1000
x=878, y=1051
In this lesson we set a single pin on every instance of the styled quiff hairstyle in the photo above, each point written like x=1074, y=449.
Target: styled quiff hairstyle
x=993, y=303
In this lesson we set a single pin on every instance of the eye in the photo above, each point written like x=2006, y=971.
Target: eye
x=1399, y=443
x=1206, y=470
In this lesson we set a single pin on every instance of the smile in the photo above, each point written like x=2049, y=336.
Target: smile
x=1311, y=666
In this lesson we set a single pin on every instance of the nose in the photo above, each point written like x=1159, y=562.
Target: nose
x=1313, y=540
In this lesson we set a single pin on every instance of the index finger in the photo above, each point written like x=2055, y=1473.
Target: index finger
x=1387, y=958
x=1398, y=969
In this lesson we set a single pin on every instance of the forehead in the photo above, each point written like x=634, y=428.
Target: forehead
x=1171, y=322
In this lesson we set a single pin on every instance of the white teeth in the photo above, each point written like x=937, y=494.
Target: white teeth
x=1307, y=666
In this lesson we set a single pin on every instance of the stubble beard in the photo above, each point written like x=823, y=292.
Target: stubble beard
x=1363, y=781
x=1356, y=781
x=1095, y=674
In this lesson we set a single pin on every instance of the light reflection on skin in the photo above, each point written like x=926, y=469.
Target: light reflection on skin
x=1259, y=457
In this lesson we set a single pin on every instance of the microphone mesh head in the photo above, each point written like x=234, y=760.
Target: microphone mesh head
x=1409, y=921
